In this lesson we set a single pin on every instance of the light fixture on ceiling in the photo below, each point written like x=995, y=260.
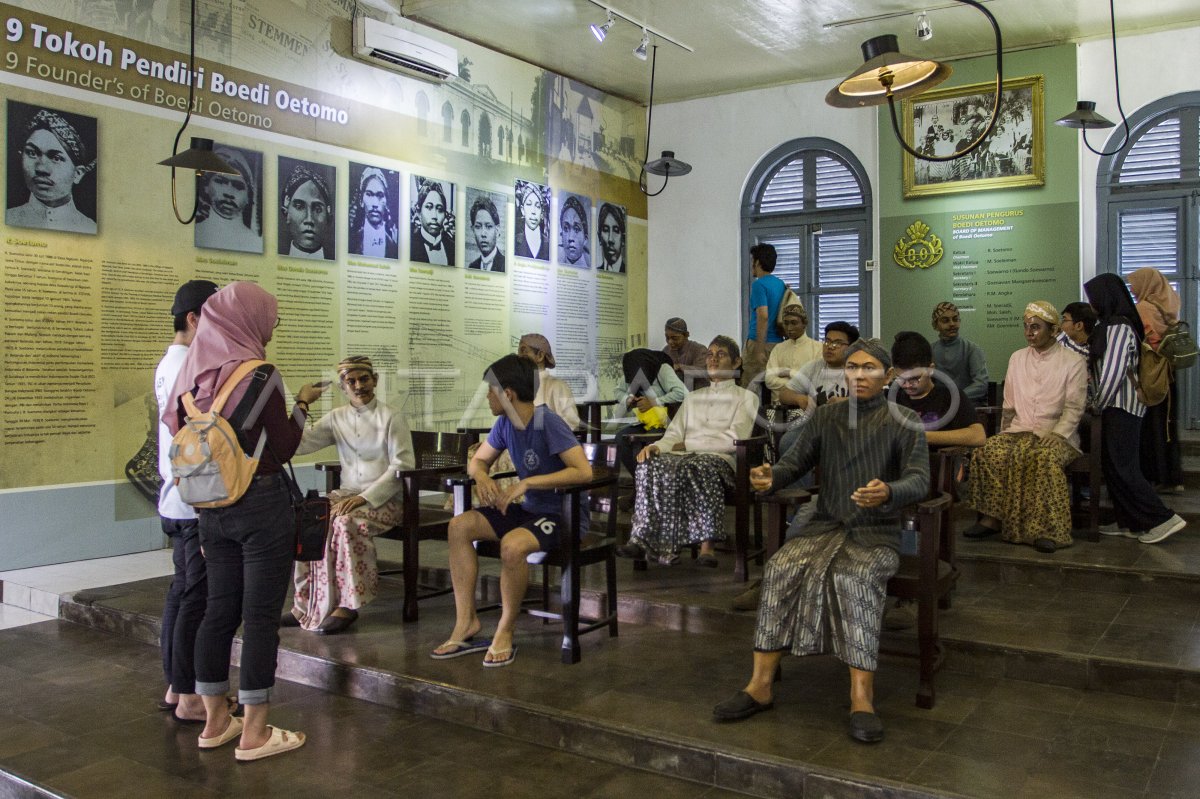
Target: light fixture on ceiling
x=600, y=31
x=640, y=50
x=924, y=27
x=889, y=75
x=667, y=165
x=614, y=13
x=1085, y=118
x=200, y=158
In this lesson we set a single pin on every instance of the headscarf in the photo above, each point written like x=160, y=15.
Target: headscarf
x=873, y=347
x=236, y=324
x=1114, y=306
x=354, y=363
x=1153, y=289
x=65, y=132
x=677, y=325
x=646, y=363
x=1042, y=310
x=943, y=309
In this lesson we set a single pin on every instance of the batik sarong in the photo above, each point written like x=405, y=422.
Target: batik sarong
x=680, y=501
x=1018, y=478
x=347, y=577
x=825, y=593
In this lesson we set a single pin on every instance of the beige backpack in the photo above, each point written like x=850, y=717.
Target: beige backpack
x=210, y=467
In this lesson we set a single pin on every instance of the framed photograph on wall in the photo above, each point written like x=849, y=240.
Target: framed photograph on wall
x=941, y=121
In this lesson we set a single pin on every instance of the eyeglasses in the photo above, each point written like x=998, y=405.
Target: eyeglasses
x=910, y=379
x=278, y=319
x=829, y=342
x=866, y=369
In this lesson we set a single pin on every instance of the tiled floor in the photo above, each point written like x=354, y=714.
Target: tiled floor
x=987, y=736
x=78, y=717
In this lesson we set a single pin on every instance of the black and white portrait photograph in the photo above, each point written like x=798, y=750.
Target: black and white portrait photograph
x=533, y=221
x=944, y=121
x=51, y=169
x=432, y=221
x=574, y=236
x=485, y=230
x=229, y=208
x=374, y=203
x=306, y=209
x=610, y=238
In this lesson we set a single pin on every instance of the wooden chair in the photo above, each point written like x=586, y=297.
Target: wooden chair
x=590, y=412
x=437, y=454
x=1086, y=470
x=927, y=576
x=574, y=553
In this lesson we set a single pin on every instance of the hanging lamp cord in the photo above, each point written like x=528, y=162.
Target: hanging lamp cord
x=186, y=119
x=1112, y=16
x=649, y=122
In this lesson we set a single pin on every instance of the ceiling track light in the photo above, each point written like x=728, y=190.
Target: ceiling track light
x=1085, y=118
x=640, y=50
x=600, y=31
x=889, y=75
x=924, y=27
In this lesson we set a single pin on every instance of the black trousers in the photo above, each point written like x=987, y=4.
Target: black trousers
x=184, y=607
x=1136, y=505
x=249, y=547
x=1162, y=459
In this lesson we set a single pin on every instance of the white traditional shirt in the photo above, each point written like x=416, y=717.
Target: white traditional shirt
x=60, y=217
x=296, y=252
x=788, y=356
x=372, y=443
x=1048, y=392
x=711, y=419
x=558, y=397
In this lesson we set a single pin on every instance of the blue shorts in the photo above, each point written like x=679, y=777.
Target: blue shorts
x=544, y=526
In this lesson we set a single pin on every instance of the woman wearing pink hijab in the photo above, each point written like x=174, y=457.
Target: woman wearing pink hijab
x=249, y=545
x=1158, y=306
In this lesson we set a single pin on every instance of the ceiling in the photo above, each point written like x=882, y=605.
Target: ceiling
x=745, y=44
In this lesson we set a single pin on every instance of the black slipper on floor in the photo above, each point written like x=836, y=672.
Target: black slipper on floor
x=336, y=624
x=166, y=706
x=740, y=706
x=1045, y=545
x=866, y=727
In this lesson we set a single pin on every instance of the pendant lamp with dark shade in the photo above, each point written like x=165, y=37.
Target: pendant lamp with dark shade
x=1085, y=118
x=200, y=158
x=668, y=165
x=889, y=75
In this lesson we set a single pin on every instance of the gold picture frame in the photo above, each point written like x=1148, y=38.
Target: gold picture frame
x=939, y=121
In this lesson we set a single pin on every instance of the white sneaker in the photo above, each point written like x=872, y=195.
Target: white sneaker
x=1116, y=530
x=1163, y=531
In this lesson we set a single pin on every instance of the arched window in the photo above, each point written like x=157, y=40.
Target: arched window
x=810, y=199
x=1147, y=210
x=422, y=114
x=500, y=141
x=466, y=128
x=447, y=120
x=485, y=135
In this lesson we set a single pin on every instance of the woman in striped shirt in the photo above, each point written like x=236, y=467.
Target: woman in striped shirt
x=1115, y=345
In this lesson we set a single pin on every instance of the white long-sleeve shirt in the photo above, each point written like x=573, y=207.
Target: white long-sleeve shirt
x=711, y=419
x=372, y=442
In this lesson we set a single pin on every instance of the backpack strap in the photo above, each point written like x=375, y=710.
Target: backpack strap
x=222, y=397
x=237, y=419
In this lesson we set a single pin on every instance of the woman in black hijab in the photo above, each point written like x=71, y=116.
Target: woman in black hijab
x=1115, y=344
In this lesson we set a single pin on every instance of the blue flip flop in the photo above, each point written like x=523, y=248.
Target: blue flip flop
x=461, y=648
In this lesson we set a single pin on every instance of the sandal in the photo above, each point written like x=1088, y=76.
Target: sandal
x=500, y=658
x=232, y=731
x=280, y=741
x=460, y=648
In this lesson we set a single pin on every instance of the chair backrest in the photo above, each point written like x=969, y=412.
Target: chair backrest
x=603, y=457
x=435, y=449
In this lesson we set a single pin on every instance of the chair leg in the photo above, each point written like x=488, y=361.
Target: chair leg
x=927, y=646
x=412, y=570
x=610, y=573
x=570, y=612
x=545, y=590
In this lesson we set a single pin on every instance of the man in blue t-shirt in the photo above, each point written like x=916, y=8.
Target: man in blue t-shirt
x=547, y=456
x=766, y=292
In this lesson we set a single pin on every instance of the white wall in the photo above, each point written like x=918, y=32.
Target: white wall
x=1153, y=66
x=695, y=225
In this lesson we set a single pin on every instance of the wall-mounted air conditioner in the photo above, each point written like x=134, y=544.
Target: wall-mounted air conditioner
x=402, y=50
